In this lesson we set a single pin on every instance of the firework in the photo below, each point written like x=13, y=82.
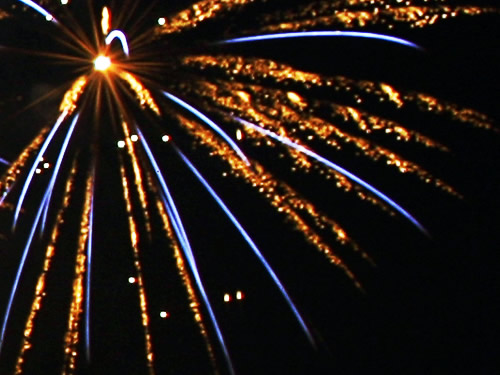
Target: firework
x=184, y=85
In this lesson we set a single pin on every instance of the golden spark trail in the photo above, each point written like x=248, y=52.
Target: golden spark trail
x=200, y=12
x=194, y=303
x=72, y=337
x=143, y=95
x=14, y=170
x=71, y=96
x=40, y=291
x=139, y=183
x=134, y=241
x=361, y=13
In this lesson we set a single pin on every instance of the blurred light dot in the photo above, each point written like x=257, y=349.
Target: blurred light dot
x=239, y=135
x=161, y=21
x=227, y=297
x=239, y=294
x=46, y=165
x=163, y=314
x=49, y=17
x=134, y=137
x=102, y=63
x=38, y=171
x=121, y=144
x=165, y=138
x=64, y=2
x=131, y=280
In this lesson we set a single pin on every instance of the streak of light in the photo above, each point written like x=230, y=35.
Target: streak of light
x=39, y=9
x=57, y=168
x=335, y=167
x=185, y=245
x=21, y=267
x=118, y=34
x=210, y=123
x=3, y=161
x=252, y=245
x=316, y=34
x=38, y=159
x=89, y=273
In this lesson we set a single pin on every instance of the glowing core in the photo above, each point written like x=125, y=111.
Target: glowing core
x=102, y=63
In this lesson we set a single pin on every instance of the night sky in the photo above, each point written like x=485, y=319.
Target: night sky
x=428, y=305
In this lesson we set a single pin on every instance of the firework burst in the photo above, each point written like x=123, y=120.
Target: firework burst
x=164, y=87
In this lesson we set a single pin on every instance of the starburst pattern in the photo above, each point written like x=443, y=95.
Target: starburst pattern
x=194, y=83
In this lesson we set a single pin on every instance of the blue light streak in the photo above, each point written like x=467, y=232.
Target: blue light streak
x=173, y=214
x=3, y=161
x=57, y=168
x=39, y=9
x=316, y=34
x=335, y=167
x=38, y=159
x=252, y=245
x=21, y=267
x=210, y=123
x=120, y=35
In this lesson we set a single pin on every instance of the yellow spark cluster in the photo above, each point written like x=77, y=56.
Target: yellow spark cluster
x=194, y=303
x=357, y=14
x=40, y=291
x=438, y=107
x=143, y=94
x=199, y=12
x=262, y=71
x=288, y=114
x=134, y=240
x=72, y=336
x=71, y=96
x=280, y=195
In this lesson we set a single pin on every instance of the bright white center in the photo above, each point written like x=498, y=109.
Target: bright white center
x=102, y=63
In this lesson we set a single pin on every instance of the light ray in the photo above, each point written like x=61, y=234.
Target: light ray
x=335, y=167
x=210, y=123
x=250, y=243
x=3, y=161
x=185, y=245
x=316, y=34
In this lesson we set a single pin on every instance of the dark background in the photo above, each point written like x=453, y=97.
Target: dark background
x=429, y=305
